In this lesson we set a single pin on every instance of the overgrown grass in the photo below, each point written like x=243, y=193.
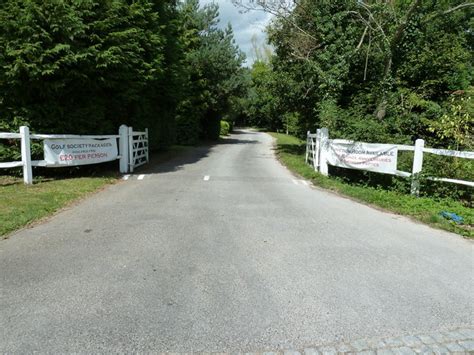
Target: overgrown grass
x=21, y=205
x=291, y=152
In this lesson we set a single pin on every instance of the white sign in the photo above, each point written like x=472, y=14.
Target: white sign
x=70, y=152
x=380, y=158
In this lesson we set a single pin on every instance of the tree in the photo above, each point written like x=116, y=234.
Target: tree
x=214, y=73
x=316, y=33
x=87, y=66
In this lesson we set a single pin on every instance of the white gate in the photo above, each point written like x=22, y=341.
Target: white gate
x=312, y=149
x=138, y=148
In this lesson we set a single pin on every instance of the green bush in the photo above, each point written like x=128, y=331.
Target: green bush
x=225, y=128
x=86, y=67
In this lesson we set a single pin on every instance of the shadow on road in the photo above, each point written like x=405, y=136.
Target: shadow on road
x=235, y=141
x=190, y=155
x=242, y=130
x=177, y=162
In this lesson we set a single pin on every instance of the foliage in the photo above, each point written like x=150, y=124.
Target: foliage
x=88, y=66
x=213, y=72
x=225, y=128
x=455, y=127
x=387, y=72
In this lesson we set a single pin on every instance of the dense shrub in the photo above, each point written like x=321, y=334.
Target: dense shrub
x=86, y=67
x=225, y=128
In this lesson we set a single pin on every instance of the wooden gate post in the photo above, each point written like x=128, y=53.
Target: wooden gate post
x=323, y=151
x=317, y=150
x=131, y=159
x=307, y=146
x=26, y=155
x=123, y=144
x=147, y=146
x=417, y=167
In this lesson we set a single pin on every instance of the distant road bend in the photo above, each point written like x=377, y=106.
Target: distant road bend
x=223, y=249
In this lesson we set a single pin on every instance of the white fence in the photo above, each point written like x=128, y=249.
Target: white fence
x=132, y=150
x=320, y=152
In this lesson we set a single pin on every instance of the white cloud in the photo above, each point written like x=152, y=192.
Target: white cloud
x=245, y=25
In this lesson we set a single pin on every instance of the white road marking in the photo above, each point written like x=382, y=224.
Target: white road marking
x=140, y=177
x=206, y=178
x=126, y=177
x=294, y=181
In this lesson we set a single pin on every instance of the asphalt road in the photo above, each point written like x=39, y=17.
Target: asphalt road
x=222, y=249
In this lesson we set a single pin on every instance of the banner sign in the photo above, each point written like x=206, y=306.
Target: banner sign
x=71, y=152
x=380, y=158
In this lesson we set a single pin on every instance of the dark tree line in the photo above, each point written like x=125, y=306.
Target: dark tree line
x=88, y=66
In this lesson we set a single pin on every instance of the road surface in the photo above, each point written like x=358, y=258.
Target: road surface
x=223, y=249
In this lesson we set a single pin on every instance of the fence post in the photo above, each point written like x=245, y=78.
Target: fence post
x=313, y=152
x=123, y=143
x=147, y=146
x=307, y=146
x=324, y=146
x=131, y=160
x=317, y=150
x=417, y=167
x=26, y=155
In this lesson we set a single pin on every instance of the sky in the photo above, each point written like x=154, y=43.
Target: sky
x=245, y=25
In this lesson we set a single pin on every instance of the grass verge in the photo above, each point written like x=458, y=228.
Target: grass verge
x=290, y=151
x=21, y=205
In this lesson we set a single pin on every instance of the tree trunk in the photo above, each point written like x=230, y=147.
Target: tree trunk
x=397, y=37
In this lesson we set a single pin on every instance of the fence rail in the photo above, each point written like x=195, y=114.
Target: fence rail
x=318, y=146
x=13, y=164
x=5, y=135
x=131, y=150
x=70, y=136
x=450, y=153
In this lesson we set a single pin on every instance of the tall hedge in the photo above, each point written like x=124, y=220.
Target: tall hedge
x=89, y=66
